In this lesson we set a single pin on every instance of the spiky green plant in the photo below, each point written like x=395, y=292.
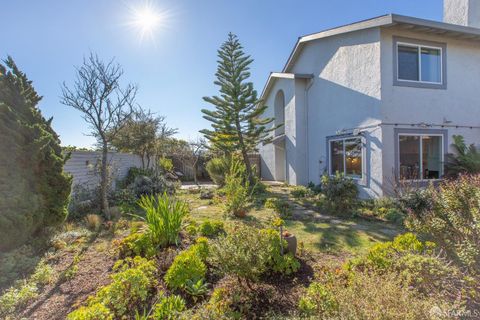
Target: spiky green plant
x=164, y=217
x=466, y=159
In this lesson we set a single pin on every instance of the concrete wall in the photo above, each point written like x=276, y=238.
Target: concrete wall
x=83, y=166
x=458, y=104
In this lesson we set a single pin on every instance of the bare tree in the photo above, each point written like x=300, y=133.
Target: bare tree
x=198, y=148
x=105, y=106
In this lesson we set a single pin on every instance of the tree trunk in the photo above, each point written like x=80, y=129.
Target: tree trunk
x=195, y=180
x=104, y=182
x=243, y=148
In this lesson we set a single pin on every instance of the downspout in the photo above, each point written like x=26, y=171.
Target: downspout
x=307, y=155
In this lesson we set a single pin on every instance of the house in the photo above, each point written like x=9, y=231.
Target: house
x=378, y=100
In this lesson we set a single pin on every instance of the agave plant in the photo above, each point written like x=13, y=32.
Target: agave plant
x=465, y=160
x=164, y=217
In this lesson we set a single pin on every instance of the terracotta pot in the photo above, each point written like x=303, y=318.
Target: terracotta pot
x=241, y=214
x=291, y=243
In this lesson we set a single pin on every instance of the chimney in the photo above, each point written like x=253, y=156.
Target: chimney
x=462, y=12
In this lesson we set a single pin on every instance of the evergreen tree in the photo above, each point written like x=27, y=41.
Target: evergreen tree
x=34, y=190
x=237, y=125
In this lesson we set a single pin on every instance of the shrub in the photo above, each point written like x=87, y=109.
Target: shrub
x=93, y=222
x=156, y=184
x=164, y=218
x=318, y=300
x=165, y=164
x=16, y=264
x=132, y=174
x=196, y=288
x=301, y=192
x=452, y=219
x=465, y=160
x=17, y=297
x=43, y=274
x=136, y=244
x=237, y=189
x=34, y=188
x=187, y=266
x=210, y=228
x=83, y=200
x=168, y=308
x=278, y=262
x=217, y=169
x=126, y=199
x=314, y=188
x=95, y=311
x=340, y=192
x=280, y=206
x=130, y=287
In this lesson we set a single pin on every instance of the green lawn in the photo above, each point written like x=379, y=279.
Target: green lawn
x=336, y=236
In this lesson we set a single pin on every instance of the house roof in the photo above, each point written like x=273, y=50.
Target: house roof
x=388, y=20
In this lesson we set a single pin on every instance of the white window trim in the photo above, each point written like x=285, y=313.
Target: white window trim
x=419, y=47
x=421, y=135
x=362, y=141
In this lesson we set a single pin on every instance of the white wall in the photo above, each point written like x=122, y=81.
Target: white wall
x=82, y=165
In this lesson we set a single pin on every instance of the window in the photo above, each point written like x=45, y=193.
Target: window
x=420, y=156
x=419, y=63
x=346, y=156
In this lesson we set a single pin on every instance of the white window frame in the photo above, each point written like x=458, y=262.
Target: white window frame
x=330, y=140
x=419, y=47
x=421, y=135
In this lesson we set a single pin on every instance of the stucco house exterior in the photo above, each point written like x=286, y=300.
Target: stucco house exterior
x=378, y=100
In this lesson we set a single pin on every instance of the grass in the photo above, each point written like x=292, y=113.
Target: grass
x=334, y=236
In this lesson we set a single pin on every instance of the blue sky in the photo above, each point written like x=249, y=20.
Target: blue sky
x=176, y=67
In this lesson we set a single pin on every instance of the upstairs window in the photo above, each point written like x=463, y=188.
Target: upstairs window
x=419, y=65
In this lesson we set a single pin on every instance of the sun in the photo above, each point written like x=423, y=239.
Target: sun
x=146, y=20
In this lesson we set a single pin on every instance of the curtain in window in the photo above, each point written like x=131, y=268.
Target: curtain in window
x=431, y=65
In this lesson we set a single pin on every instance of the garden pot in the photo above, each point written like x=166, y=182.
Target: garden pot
x=291, y=242
x=241, y=213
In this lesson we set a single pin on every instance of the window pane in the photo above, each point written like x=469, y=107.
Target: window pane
x=408, y=63
x=336, y=156
x=431, y=65
x=432, y=157
x=353, y=157
x=409, y=157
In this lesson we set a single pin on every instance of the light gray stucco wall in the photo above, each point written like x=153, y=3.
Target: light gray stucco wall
x=345, y=93
x=457, y=105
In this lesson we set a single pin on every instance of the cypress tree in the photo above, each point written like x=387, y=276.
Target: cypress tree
x=237, y=125
x=34, y=190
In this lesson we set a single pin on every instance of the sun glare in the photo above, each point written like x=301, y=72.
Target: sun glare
x=146, y=20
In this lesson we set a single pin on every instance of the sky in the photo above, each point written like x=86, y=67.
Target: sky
x=174, y=65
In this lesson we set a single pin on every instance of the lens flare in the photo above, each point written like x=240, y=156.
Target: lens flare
x=146, y=20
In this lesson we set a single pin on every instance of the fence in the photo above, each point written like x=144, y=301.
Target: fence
x=84, y=166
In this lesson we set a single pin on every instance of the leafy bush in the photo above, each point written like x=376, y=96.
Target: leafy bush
x=196, y=288
x=93, y=222
x=164, y=218
x=130, y=287
x=280, y=206
x=301, y=192
x=210, y=228
x=382, y=208
x=452, y=219
x=314, y=188
x=16, y=264
x=165, y=164
x=465, y=160
x=132, y=174
x=33, y=186
x=318, y=300
x=96, y=311
x=83, y=201
x=43, y=274
x=278, y=262
x=126, y=199
x=217, y=169
x=168, y=308
x=136, y=244
x=187, y=266
x=237, y=189
x=17, y=297
x=340, y=192
x=157, y=184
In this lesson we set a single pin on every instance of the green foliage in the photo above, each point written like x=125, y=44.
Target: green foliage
x=133, y=173
x=96, y=311
x=237, y=189
x=318, y=300
x=452, y=219
x=130, y=288
x=278, y=262
x=280, y=206
x=210, y=228
x=236, y=121
x=217, y=169
x=382, y=208
x=301, y=192
x=16, y=264
x=126, y=199
x=466, y=159
x=164, y=218
x=136, y=244
x=33, y=186
x=168, y=308
x=340, y=192
x=196, y=288
x=17, y=297
x=165, y=164
x=187, y=266
x=43, y=274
